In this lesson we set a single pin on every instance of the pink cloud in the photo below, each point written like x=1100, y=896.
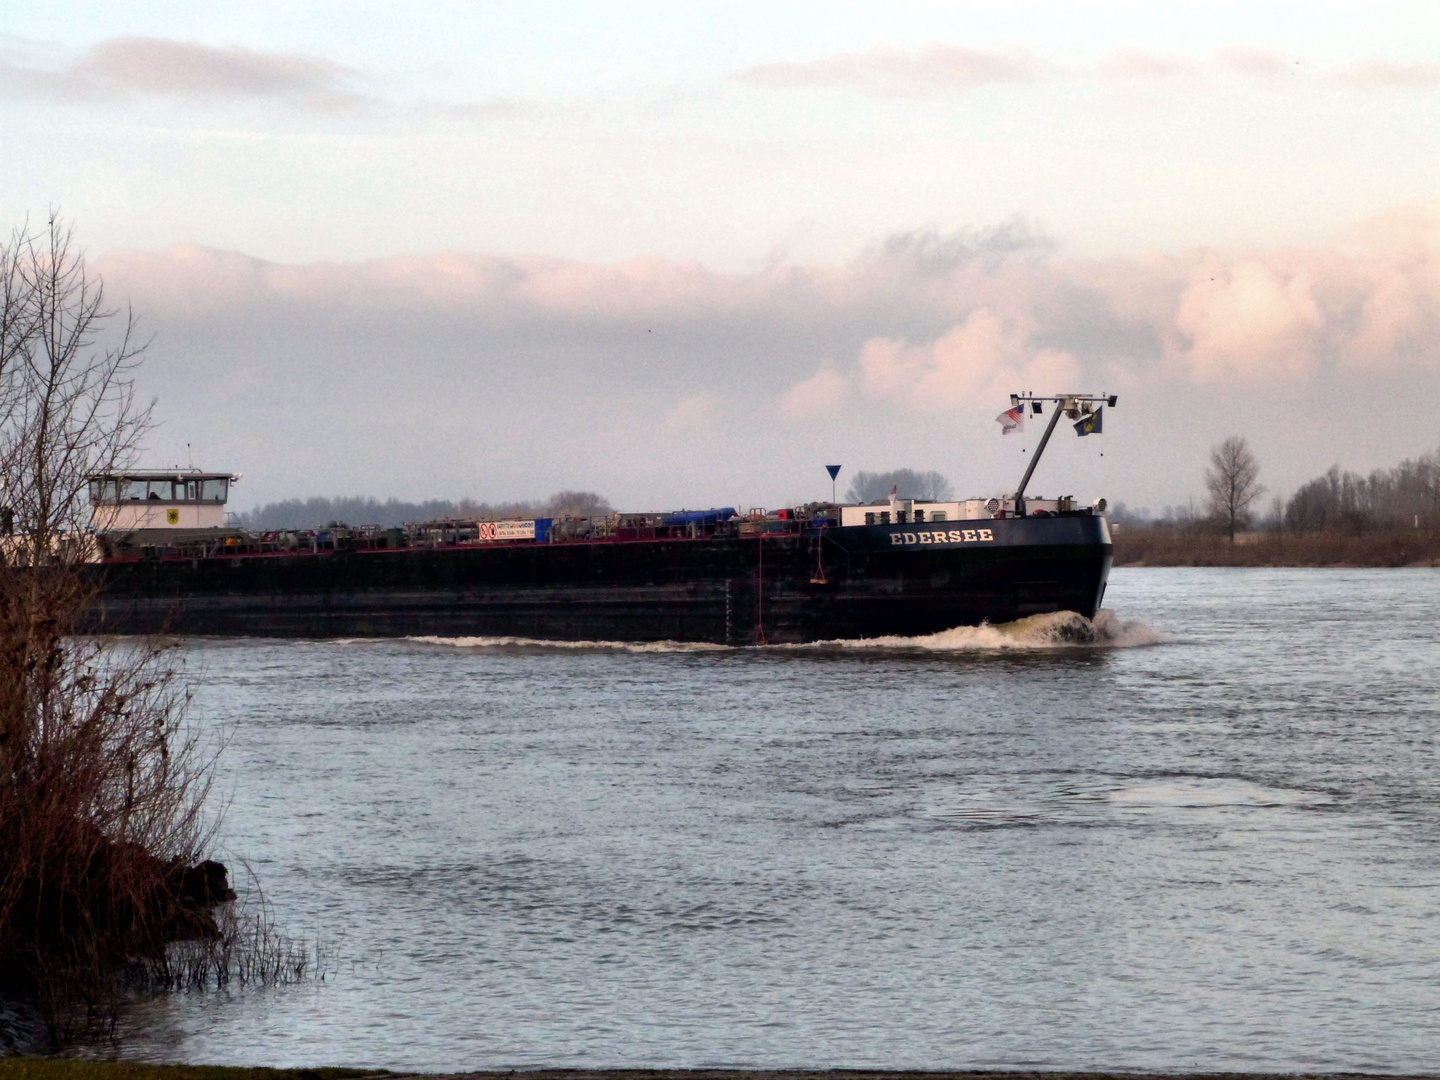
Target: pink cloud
x=930, y=322
x=888, y=72
x=1143, y=64
x=125, y=67
x=948, y=370
x=188, y=69
x=1254, y=63
x=982, y=358
x=1393, y=284
x=937, y=69
x=1246, y=320
x=821, y=393
x=1386, y=73
x=447, y=371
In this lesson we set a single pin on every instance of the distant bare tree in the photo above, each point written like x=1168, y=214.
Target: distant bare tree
x=931, y=486
x=1233, y=483
x=577, y=504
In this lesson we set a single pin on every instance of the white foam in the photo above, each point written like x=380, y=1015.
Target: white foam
x=1054, y=630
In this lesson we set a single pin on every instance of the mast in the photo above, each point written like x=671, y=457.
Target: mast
x=1070, y=405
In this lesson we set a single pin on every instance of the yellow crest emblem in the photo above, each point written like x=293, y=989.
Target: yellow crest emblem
x=173, y=516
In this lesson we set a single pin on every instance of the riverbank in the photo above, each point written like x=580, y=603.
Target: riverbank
x=1160, y=546
x=65, y=1069
x=44, y=1068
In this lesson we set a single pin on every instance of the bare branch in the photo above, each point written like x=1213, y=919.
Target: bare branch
x=67, y=399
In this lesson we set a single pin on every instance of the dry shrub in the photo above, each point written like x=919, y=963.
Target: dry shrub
x=101, y=827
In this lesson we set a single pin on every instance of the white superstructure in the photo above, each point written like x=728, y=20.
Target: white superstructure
x=909, y=511
x=135, y=501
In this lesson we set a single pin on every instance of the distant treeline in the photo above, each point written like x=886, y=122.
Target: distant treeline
x=1407, y=495
x=1404, y=497
x=1389, y=518
x=317, y=512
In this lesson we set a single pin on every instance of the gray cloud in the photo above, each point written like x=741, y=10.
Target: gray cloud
x=931, y=252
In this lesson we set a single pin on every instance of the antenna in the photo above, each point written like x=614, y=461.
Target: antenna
x=1065, y=404
x=190, y=457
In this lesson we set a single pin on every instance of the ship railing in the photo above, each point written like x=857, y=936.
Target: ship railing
x=769, y=526
x=337, y=536
x=17, y=549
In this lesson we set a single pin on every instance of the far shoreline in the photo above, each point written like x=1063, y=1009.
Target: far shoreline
x=1163, y=546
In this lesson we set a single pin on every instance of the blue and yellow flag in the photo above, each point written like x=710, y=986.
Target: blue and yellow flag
x=1090, y=425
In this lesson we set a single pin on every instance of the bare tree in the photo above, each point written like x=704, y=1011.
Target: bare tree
x=102, y=784
x=1233, y=483
x=578, y=504
x=67, y=400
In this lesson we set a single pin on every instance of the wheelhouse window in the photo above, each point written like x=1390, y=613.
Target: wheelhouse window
x=170, y=489
x=104, y=491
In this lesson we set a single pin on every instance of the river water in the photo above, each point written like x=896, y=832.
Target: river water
x=1210, y=841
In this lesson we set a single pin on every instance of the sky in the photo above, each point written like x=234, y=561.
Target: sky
x=689, y=254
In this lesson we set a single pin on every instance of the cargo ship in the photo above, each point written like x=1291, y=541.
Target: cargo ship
x=168, y=562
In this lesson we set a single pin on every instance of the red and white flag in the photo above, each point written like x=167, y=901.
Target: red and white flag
x=1011, y=420
x=893, y=492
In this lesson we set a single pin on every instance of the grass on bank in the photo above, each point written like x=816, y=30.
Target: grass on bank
x=29, y=1068
x=1168, y=546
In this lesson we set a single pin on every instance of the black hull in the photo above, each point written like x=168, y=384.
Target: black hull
x=856, y=582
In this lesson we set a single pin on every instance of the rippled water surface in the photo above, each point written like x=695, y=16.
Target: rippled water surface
x=1211, y=839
